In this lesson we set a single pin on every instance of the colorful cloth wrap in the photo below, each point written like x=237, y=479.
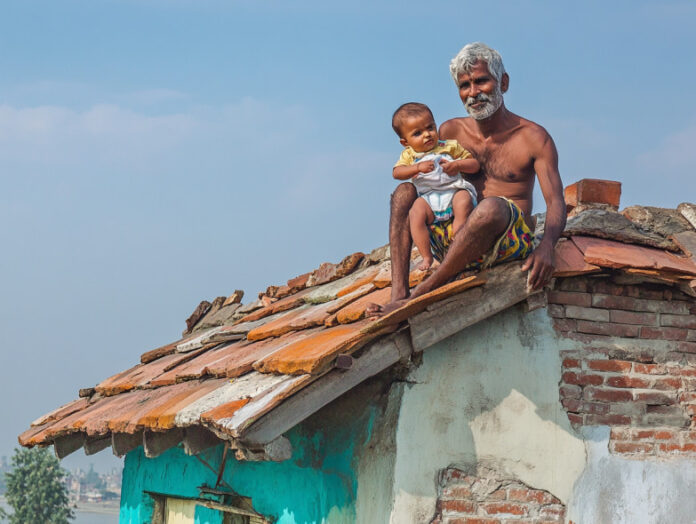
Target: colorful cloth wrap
x=516, y=243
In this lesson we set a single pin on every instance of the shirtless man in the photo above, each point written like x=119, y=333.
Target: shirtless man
x=511, y=150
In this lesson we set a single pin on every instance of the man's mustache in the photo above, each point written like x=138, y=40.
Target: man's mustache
x=481, y=97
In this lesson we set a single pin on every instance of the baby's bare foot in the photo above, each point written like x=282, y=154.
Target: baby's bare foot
x=425, y=265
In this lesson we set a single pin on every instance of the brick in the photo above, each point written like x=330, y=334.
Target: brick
x=472, y=520
x=638, y=434
x=620, y=434
x=607, y=420
x=633, y=447
x=664, y=435
x=606, y=287
x=608, y=329
x=506, y=508
x=458, y=492
x=625, y=303
x=667, y=383
x=593, y=191
x=687, y=396
x=691, y=335
x=556, y=310
x=677, y=420
x=679, y=448
x=686, y=347
x=649, y=369
x=655, y=398
x=531, y=495
x=565, y=324
x=585, y=407
x=570, y=298
x=633, y=317
x=572, y=284
x=571, y=363
x=576, y=419
x=581, y=379
x=633, y=409
x=607, y=395
x=610, y=365
x=587, y=313
x=679, y=321
x=459, y=506
x=675, y=307
x=664, y=333
x=682, y=371
x=569, y=391
x=627, y=382
x=552, y=511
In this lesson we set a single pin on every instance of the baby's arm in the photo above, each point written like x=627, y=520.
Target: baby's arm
x=406, y=172
x=468, y=166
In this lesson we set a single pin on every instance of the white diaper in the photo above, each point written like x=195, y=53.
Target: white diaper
x=438, y=188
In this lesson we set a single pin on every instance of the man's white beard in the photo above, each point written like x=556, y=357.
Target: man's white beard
x=493, y=103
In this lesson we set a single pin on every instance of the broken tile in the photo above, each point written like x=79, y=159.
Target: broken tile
x=197, y=314
x=329, y=292
x=279, y=306
x=608, y=253
x=664, y=222
x=224, y=411
x=356, y=310
x=366, y=278
x=328, y=272
x=224, y=315
x=167, y=349
x=234, y=298
x=301, y=318
x=688, y=211
x=686, y=242
x=251, y=306
x=569, y=260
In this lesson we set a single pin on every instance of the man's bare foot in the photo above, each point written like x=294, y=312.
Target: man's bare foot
x=425, y=265
x=377, y=310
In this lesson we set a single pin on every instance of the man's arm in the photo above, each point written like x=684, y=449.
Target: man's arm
x=540, y=262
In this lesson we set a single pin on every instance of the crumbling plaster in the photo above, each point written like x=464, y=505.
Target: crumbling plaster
x=488, y=394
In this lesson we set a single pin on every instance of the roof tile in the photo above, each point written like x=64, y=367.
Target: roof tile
x=570, y=261
x=356, y=310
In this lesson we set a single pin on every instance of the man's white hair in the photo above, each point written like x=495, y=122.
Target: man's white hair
x=477, y=52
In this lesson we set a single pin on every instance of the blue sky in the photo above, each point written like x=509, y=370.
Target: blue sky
x=156, y=153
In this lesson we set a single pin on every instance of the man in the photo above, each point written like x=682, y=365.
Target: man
x=511, y=150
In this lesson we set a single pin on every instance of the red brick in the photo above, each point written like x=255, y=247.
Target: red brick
x=581, y=379
x=472, y=520
x=569, y=391
x=508, y=508
x=460, y=506
x=553, y=511
x=576, y=419
x=642, y=433
x=691, y=335
x=620, y=434
x=664, y=435
x=649, y=369
x=679, y=321
x=585, y=407
x=607, y=420
x=587, y=313
x=458, y=492
x=654, y=398
x=627, y=382
x=632, y=317
x=689, y=435
x=572, y=284
x=531, y=495
x=626, y=303
x=667, y=383
x=686, y=347
x=607, y=395
x=606, y=287
x=682, y=371
x=570, y=298
x=610, y=365
x=565, y=324
x=608, y=329
x=687, y=396
x=593, y=191
x=571, y=363
x=681, y=448
x=633, y=447
x=664, y=333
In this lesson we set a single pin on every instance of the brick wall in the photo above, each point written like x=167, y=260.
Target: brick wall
x=636, y=371
x=483, y=498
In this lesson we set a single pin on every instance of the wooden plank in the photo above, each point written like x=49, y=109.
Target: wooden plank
x=95, y=445
x=156, y=443
x=376, y=357
x=64, y=446
x=505, y=286
x=122, y=443
x=198, y=439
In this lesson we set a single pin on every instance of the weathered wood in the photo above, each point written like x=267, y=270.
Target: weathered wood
x=198, y=438
x=376, y=357
x=95, y=445
x=64, y=446
x=506, y=286
x=122, y=443
x=156, y=443
x=229, y=509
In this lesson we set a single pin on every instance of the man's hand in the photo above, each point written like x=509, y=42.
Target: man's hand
x=426, y=166
x=540, y=266
x=450, y=167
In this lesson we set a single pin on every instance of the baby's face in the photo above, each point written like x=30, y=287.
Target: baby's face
x=419, y=132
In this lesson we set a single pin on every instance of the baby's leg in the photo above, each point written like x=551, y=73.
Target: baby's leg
x=419, y=218
x=462, y=206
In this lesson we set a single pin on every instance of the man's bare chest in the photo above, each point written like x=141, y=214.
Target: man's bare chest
x=504, y=162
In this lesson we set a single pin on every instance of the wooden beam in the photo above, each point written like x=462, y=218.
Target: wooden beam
x=375, y=357
x=122, y=443
x=157, y=442
x=95, y=445
x=63, y=446
x=198, y=438
x=506, y=285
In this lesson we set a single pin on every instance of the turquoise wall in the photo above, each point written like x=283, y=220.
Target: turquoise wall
x=317, y=485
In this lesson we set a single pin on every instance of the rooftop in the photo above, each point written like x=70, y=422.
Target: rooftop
x=246, y=373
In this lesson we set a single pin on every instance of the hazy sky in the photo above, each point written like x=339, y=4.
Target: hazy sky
x=157, y=153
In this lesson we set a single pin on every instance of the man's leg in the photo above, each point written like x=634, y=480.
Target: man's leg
x=487, y=222
x=402, y=199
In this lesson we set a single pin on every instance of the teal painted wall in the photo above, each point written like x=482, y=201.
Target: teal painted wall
x=317, y=485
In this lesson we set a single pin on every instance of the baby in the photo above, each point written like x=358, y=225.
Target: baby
x=434, y=166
